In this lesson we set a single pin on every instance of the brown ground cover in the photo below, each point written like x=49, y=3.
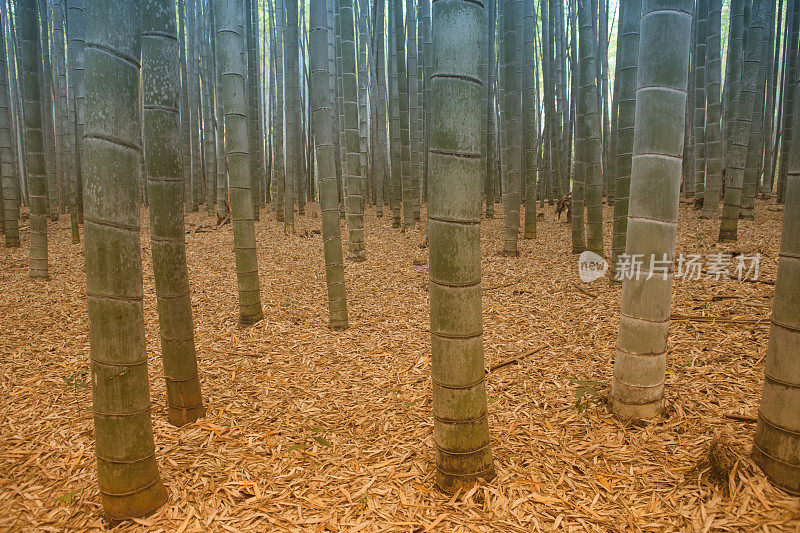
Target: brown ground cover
x=313, y=430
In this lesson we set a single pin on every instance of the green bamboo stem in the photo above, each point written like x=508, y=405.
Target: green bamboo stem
x=395, y=180
x=364, y=166
x=352, y=168
x=381, y=148
x=77, y=32
x=126, y=465
x=588, y=129
x=252, y=107
x=529, y=131
x=322, y=105
x=461, y=427
x=491, y=114
x=511, y=122
x=292, y=97
x=207, y=97
x=739, y=127
x=713, y=148
x=8, y=175
x=279, y=170
x=160, y=87
x=414, y=119
x=34, y=142
x=230, y=42
x=405, y=134
x=46, y=102
x=776, y=448
x=640, y=363
x=699, y=120
x=628, y=60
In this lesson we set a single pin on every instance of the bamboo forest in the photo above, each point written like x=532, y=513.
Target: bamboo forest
x=400, y=265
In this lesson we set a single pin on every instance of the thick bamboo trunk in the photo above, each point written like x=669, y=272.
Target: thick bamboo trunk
x=279, y=172
x=402, y=80
x=529, y=130
x=252, y=107
x=34, y=139
x=713, y=134
x=733, y=77
x=639, y=366
x=46, y=102
x=395, y=180
x=415, y=161
x=491, y=113
x=8, y=174
x=742, y=119
x=588, y=129
x=292, y=96
x=461, y=427
x=126, y=465
x=790, y=92
x=230, y=42
x=160, y=86
x=777, y=437
x=511, y=122
x=352, y=168
x=207, y=97
x=381, y=148
x=628, y=61
x=699, y=117
x=322, y=105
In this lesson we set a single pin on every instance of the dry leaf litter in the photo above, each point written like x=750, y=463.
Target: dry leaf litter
x=314, y=430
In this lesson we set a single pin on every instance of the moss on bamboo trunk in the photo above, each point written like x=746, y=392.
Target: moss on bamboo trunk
x=461, y=427
x=126, y=466
x=160, y=86
x=230, y=19
x=639, y=366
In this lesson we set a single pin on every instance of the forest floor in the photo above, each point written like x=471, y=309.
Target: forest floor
x=313, y=430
